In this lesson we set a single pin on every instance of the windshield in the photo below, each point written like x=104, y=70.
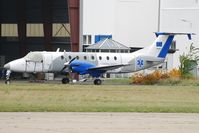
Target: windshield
x=34, y=56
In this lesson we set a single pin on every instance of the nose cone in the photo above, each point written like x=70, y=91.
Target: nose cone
x=16, y=65
x=7, y=66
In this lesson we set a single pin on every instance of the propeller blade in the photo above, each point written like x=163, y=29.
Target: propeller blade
x=63, y=68
x=67, y=65
x=72, y=60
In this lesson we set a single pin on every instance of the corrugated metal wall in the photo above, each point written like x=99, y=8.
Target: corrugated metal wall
x=9, y=30
x=34, y=30
x=61, y=30
x=33, y=16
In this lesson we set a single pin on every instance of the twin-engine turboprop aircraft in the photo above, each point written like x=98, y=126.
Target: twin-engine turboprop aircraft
x=95, y=64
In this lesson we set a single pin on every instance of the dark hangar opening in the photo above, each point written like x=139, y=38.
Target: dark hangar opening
x=32, y=25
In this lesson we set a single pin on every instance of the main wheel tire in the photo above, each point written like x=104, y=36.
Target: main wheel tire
x=7, y=82
x=65, y=80
x=97, y=82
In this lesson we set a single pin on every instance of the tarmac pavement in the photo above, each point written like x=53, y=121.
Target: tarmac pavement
x=47, y=122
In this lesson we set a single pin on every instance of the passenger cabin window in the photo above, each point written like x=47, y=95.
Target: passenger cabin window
x=115, y=58
x=107, y=57
x=85, y=58
x=100, y=57
x=70, y=57
x=77, y=57
x=92, y=57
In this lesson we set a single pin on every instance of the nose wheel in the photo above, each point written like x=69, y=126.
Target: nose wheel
x=97, y=82
x=8, y=72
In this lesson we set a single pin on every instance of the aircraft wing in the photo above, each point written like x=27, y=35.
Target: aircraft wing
x=106, y=68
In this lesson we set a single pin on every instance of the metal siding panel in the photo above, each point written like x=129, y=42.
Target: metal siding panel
x=33, y=11
x=60, y=15
x=74, y=23
x=59, y=30
x=35, y=30
x=8, y=11
x=0, y=31
x=9, y=30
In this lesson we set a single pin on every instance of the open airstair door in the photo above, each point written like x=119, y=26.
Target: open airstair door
x=47, y=59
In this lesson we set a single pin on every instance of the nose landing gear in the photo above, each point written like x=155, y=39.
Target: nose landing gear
x=8, y=72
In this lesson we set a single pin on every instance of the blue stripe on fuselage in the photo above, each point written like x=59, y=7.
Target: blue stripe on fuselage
x=166, y=46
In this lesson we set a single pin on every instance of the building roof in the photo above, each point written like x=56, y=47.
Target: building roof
x=108, y=44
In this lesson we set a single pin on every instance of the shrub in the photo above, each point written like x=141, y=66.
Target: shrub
x=172, y=77
x=174, y=73
x=187, y=61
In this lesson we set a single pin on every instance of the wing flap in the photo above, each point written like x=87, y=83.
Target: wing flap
x=106, y=68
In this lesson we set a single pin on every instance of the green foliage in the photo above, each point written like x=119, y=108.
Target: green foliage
x=187, y=61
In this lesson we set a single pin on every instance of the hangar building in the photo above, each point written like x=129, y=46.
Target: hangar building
x=132, y=22
x=37, y=25
x=27, y=25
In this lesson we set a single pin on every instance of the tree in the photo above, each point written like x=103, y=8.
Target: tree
x=187, y=61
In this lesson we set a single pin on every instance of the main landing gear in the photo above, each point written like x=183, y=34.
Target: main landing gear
x=65, y=80
x=97, y=82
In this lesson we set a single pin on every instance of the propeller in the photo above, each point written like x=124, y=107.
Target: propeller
x=67, y=65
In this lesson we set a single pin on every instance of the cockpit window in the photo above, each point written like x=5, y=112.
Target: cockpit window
x=34, y=56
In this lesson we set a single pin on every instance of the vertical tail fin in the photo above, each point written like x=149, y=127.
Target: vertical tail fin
x=161, y=45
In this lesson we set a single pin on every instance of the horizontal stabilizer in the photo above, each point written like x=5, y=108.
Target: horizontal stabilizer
x=173, y=33
x=151, y=58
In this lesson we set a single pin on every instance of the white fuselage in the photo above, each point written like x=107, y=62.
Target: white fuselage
x=54, y=61
x=145, y=58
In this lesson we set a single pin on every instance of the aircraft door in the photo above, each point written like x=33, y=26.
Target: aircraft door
x=47, y=62
x=30, y=65
x=39, y=66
